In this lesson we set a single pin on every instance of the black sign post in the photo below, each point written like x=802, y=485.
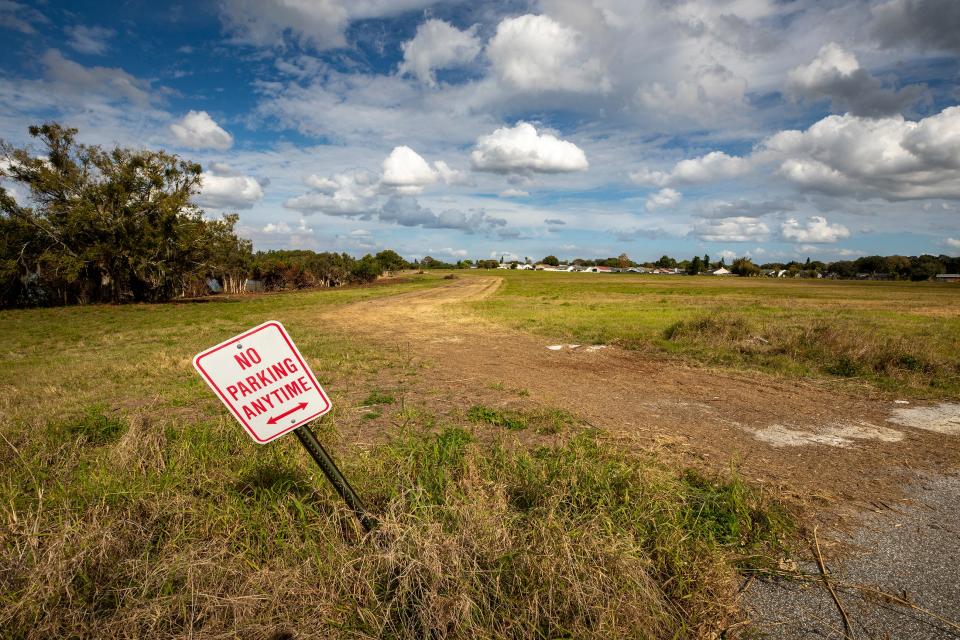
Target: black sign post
x=336, y=478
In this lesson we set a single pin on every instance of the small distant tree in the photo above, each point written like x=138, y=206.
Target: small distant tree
x=624, y=261
x=744, y=267
x=695, y=266
x=552, y=261
x=390, y=260
x=706, y=261
x=666, y=262
x=366, y=269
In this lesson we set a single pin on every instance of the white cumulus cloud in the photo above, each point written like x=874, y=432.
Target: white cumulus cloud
x=521, y=149
x=438, y=45
x=836, y=74
x=406, y=171
x=848, y=156
x=892, y=158
x=664, y=198
x=715, y=165
x=344, y=194
x=197, y=130
x=816, y=230
x=448, y=174
x=229, y=192
x=536, y=53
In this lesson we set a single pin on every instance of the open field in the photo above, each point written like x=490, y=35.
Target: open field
x=133, y=507
x=523, y=492
x=900, y=336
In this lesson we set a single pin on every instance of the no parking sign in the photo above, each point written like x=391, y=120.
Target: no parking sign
x=264, y=381
x=268, y=387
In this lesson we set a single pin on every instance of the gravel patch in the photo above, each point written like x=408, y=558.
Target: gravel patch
x=912, y=551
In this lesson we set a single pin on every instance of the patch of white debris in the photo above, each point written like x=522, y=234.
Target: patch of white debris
x=837, y=435
x=940, y=418
x=573, y=347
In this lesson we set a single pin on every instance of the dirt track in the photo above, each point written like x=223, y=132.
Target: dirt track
x=809, y=440
x=851, y=459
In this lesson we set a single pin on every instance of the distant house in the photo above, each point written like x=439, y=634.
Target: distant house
x=525, y=267
x=598, y=269
x=722, y=271
x=947, y=277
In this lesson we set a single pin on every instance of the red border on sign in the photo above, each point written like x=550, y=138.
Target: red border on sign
x=296, y=352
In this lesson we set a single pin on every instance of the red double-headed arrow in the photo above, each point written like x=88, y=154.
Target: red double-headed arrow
x=276, y=419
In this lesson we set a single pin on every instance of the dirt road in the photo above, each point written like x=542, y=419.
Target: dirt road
x=851, y=459
x=807, y=439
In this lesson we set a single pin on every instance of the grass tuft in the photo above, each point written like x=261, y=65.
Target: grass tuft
x=378, y=397
x=512, y=420
x=96, y=427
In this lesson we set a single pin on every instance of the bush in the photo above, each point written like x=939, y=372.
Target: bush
x=367, y=269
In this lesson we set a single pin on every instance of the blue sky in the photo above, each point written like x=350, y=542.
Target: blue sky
x=772, y=129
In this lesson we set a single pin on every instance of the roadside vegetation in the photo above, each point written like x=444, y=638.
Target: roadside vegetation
x=899, y=336
x=132, y=506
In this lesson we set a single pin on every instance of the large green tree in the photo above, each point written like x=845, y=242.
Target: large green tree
x=112, y=225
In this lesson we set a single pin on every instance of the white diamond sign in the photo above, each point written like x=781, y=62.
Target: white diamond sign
x=264, y=381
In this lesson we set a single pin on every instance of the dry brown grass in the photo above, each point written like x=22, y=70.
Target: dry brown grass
x=158, y=534
x=841, y=349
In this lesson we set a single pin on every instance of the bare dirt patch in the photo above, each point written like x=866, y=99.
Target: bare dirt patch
x=841, y=435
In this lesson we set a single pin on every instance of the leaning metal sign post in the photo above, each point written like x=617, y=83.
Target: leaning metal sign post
x=269, y=388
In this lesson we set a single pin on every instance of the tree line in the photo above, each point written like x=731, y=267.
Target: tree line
x=916, y=268
x=120, y=225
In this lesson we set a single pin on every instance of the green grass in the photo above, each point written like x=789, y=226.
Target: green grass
x=133, y=506
x=543, y=420
x=378, y=397
x=902, y=336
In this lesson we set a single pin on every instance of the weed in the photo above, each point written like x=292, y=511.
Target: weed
x=378, y=397
x=513, y=420
x=96, y=427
